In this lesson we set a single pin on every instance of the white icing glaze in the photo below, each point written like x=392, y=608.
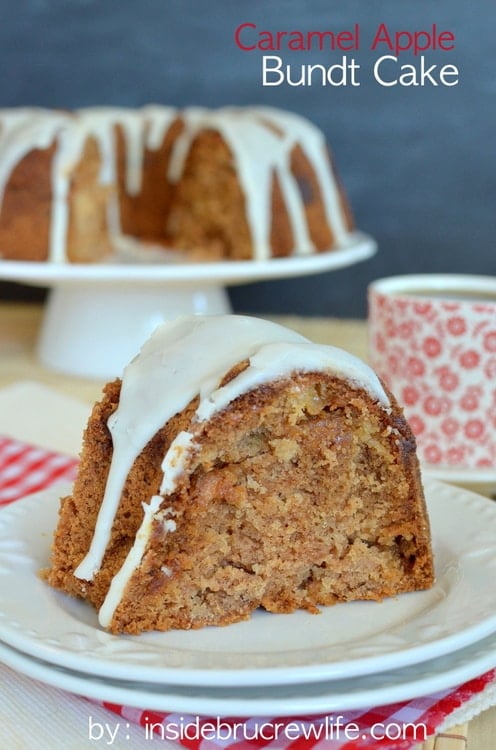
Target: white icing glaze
x=159, y=119
x=183, y=360
x=23, y=130
x=132, y=560
x=300, y=131
x=278, y=360
x=142, y=129
x=246, y=131
x=173, y=463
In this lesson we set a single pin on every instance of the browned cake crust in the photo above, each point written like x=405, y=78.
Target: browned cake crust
x=26, y=208
x=304, y=493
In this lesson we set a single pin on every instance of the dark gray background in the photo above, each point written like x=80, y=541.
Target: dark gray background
x=418, y=163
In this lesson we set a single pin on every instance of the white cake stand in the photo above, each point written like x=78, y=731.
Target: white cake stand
x=98, y=315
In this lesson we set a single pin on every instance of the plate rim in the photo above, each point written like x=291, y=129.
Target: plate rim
x=444, y=673
x=465, y=475
x=250, y=676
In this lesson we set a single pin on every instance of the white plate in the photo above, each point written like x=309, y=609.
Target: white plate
x=343, y=641
x=359, y=247
x=461, y=475
x=283, y=700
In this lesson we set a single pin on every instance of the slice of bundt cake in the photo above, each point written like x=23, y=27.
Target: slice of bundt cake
x=237, y=465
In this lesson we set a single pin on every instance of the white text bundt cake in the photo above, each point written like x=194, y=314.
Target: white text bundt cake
x=237, y=183
x=237, y=466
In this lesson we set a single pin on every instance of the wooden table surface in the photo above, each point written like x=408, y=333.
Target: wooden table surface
x=19, y=326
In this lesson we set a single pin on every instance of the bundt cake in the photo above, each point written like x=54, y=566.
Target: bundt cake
x=235, y=466
x=233, y=183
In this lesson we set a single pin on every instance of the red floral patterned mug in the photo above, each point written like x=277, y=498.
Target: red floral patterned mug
x=432, y=339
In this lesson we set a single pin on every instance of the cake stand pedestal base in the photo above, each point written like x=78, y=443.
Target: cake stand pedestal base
x=94, y=331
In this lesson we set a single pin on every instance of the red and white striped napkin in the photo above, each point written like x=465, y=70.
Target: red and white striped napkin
x=26, y=468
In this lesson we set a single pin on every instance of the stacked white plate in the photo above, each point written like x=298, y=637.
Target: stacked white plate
x=350, y=656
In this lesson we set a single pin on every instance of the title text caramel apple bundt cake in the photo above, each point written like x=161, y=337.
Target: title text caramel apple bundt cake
x=232, y=183
x=237, y=466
